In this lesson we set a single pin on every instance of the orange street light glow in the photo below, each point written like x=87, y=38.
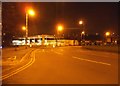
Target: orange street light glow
x=80, y=22
x=23, y=28
x=60, y=28
x=107, y=33
x=83, y=32
x=31, y=12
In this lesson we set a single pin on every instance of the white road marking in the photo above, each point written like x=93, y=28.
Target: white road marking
x=91, y=61
x=58, y=53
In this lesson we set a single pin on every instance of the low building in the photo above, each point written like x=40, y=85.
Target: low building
x=47, y=40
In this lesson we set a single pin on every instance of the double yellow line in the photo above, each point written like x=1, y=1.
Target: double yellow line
x=32, y=60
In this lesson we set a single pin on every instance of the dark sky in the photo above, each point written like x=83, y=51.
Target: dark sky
x=98, y=17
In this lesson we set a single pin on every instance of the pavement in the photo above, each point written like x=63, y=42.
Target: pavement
x=66, y=65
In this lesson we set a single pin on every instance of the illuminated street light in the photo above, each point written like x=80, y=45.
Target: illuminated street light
x=60, y=28
x=82, y=35
x=107, y=33
x=83, y=32
x=108, y=38
x=31, y=13
x=23, y=28
x=96, y=33
x=81, y=22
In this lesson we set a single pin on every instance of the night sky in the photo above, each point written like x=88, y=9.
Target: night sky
x=97, y=17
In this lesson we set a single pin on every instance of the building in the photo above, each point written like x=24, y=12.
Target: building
x=47, y=40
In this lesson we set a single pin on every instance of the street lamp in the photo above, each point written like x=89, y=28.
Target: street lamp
x=107, y=34
x=80, y=22
x=108, y=37
x=23, y=28
x=82, y=35
x=83, y=32
x=59, y=29
x=31, y=13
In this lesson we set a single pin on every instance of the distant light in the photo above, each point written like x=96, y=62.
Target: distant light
x=83, y=32
x=39, y=36
x=53, y=46
x=81, y=22
x=4, y=34
x=107, y=33
x=23, y=28
x=33, y=40
x=0, y=46
x=115, y=41
x=97, y=33
x=30, y=45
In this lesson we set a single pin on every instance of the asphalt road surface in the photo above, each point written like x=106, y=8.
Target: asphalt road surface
x=68, y=65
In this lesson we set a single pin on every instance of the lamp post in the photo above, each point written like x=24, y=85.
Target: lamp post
x=59, y=29
x=108, y=37
x=83, y=32
x=26, y=28
x=32, y=13
x=82, y=35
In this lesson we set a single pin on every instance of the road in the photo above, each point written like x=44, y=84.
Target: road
x=68, y=65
